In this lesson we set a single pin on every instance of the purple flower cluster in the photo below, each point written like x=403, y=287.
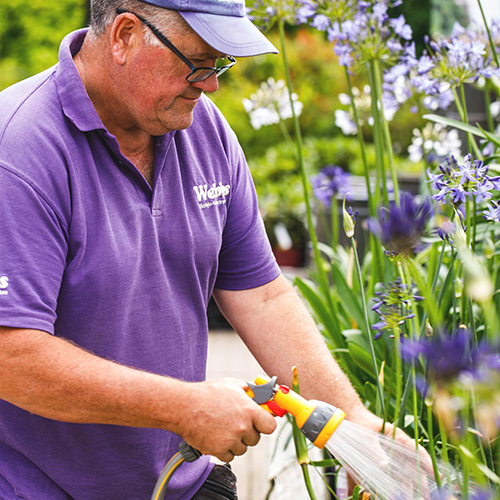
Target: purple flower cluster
x=361, y=30
x=264, y=13
x=463, y=57
x=401, y=227
x=455, y=182
x=451, y=356
x=331, y=182
x=393, y=305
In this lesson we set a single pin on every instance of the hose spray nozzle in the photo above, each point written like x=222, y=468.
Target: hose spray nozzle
x=316, y=419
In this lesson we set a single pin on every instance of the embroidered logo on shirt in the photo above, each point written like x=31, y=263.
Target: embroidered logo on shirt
x=213, y=195
x=4, y=283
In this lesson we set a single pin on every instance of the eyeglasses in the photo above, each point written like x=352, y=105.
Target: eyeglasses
x=197, y=74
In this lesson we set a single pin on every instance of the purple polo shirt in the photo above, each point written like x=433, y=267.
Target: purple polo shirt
x=89, y=252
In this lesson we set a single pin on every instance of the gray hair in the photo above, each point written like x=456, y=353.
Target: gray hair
x=103, y=13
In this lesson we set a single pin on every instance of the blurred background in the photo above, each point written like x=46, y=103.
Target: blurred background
x=31, y=30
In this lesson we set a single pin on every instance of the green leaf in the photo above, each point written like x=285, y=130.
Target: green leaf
x=362, y=358
x=493, y=138
x=450, y=122
x=348, y=297
x=323, y=314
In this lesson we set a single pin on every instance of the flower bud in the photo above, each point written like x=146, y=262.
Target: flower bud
x=348, y=222
x=460, y=238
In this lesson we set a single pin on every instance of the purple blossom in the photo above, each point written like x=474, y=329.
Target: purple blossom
x=446, y=231
x=425, y=64
x=305, y=11
x=450, y=356
x=492, y=212
x=393, y=303
x=395, y=72
x=401, y=227
x=401, y=28
x=321, y=22
x=331, y=182
x=457, y=181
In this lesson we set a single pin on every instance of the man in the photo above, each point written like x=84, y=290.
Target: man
x=125, y=203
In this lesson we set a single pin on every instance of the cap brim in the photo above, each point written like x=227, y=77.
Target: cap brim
x=234, y=36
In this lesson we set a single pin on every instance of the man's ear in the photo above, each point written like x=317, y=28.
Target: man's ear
x=126, y=34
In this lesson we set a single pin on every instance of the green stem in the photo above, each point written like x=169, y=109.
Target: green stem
x=399, y=376
x=362, y=146
x=334, y=222
x=492, y=44
x=386, y=132
x=322, y=276
x=444, y=441
x=367, y=327
x=487, y=105
x=404, y=273
x=432, y=450
x=377, y=137
x=460, y=103
x=307, y=481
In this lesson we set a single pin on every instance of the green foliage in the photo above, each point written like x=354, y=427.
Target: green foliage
x=30, y=34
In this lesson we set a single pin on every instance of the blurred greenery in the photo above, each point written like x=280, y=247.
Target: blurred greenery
x=30, y=34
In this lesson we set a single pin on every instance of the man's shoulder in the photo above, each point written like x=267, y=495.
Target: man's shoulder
x=24, y=98
x=31, y=139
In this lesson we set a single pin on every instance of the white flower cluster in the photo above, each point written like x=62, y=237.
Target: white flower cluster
x=270, y=104
x=363, y=102
x=434, y=143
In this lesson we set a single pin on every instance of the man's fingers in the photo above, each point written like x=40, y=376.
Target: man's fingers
x=251, y=439
x=226, y=457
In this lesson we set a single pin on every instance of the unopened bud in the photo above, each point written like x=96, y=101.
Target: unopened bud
x=347, y=219
x=460, y=238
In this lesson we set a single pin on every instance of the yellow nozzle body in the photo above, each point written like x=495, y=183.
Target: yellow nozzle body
x=317, y=420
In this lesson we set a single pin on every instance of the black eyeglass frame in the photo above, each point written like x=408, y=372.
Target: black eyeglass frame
x=206, y=72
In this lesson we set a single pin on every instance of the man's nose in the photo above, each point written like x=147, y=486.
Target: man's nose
x=209, y=85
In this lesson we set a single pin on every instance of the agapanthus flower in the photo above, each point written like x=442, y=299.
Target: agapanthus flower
x=400, y=227
x=264, y=13
x=271, y=103
x=492, y=212
x=332, y=181
x=455, y=182
x=454, y=356
x=463, y=57
x=362, y=31
x=393, y=305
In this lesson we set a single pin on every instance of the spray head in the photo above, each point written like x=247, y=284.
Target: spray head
x=317, y=420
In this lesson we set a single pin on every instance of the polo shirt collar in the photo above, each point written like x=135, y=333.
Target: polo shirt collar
x=74, y=99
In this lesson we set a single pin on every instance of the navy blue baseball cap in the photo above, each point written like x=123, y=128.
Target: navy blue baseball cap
x=223, y=24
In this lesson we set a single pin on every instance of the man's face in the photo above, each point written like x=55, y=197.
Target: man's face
x=160, y=97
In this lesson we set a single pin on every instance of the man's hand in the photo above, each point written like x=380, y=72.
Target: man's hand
x=221, y=420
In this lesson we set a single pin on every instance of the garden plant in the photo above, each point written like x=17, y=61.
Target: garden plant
x=414, y=320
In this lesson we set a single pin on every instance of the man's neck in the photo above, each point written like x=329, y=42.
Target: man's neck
x=94, y=70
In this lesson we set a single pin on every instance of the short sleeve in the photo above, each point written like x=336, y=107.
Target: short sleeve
x=246, y=259
x=33, y=249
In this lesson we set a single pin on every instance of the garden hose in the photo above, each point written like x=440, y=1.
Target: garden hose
x=186, y=453
x=317, y=421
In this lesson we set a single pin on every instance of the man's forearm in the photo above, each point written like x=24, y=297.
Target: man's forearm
x=53, y=378
x=56, y=379
x=280, y=333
